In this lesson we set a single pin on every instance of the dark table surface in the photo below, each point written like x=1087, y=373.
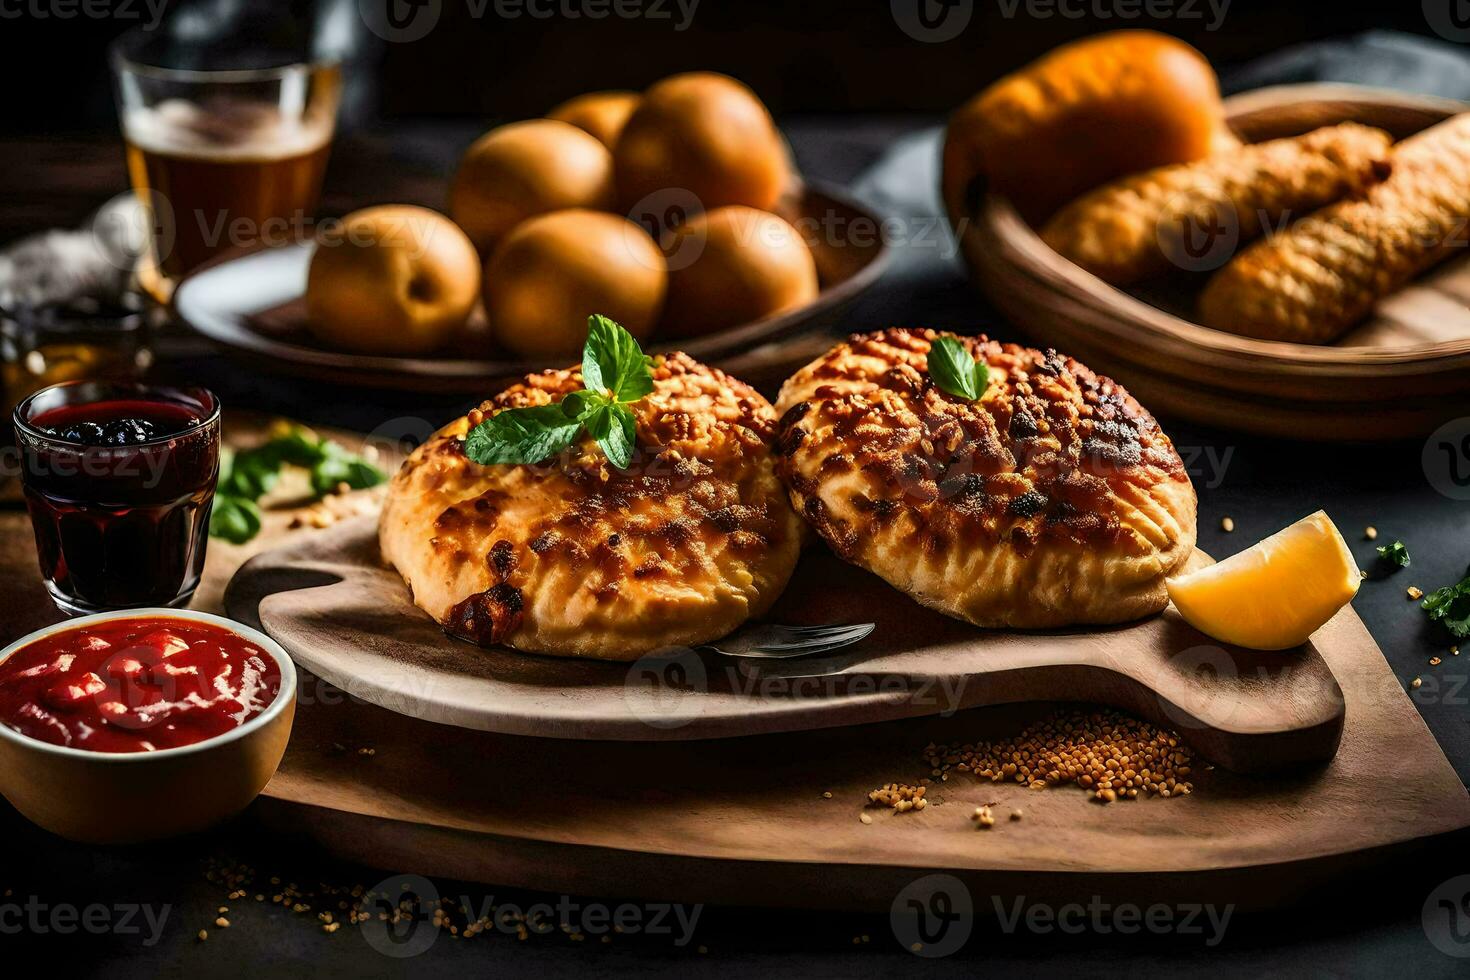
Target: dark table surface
x=1373, y=927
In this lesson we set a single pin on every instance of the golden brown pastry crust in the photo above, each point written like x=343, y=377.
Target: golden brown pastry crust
x=577, y=558
x=1132, y=229
x=1054, y=500
x=1325, y=273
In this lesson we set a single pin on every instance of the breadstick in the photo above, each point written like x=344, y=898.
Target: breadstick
x=1142, y=226
x=1326, y=272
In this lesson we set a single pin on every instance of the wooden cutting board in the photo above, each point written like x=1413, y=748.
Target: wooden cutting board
x=744, y=821
x=329, y=600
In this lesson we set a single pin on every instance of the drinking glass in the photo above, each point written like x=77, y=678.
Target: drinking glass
x=119, y=526
x=226, y=146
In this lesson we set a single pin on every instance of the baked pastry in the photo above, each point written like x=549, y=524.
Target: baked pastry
x=577, y=558
x=1138, y=227
x=1326, y=272
x=1055, y=499
x=1082, y=115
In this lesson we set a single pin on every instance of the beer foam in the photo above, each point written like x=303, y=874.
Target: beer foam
x=223, y=129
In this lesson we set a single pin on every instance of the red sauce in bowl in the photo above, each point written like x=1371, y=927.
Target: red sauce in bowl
x=136, y=685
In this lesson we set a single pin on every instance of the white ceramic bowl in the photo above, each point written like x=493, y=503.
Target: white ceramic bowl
x=122, y=797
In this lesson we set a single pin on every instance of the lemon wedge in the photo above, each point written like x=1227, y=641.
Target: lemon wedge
x=1274, y=594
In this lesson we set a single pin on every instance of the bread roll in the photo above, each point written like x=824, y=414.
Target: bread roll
x=1326, y=272
x=1144, y=226
x=1084, y=114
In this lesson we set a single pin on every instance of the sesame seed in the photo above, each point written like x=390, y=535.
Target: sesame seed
x=1416, y=682
x=1227, y=524
x=1371, y=533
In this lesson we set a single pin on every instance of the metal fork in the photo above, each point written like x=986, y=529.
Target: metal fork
x=768, y=641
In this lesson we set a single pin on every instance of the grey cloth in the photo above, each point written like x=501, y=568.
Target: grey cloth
x=1382, y=59
x=94, y=262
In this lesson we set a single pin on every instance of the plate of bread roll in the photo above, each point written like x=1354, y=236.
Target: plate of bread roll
x=678, y=211
x=1289, y=261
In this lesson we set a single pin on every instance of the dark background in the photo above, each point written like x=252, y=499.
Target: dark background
x=801, y=56
x=845, y=81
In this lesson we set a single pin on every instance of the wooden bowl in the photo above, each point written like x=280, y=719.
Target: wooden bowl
x=253, y=304
x=1400, y=374
x=127, y=797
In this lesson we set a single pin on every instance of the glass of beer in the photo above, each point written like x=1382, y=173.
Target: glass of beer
x=226, y=149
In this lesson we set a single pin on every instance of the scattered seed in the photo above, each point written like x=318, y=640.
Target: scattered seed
x=1371, y=533
x=222, y=922
x=1227, y=524
x=900, y=796
x=1416, y=682
x=1415, y=593
x=865, y=817
x=827, y=795
x=1015, y=814
x=1434, y=661
x=1102, y=752
x=203, y=935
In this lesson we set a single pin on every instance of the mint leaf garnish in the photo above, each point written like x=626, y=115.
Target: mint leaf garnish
x=613, y=362
x=613, y=428
x=248, y=475
x=236, y=519
x=521, y=435
x=615, y=372
x=955, y=371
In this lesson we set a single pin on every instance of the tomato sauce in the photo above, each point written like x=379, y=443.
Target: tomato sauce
x=136, y=685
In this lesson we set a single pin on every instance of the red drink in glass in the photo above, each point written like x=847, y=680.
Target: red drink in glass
x=119, y=479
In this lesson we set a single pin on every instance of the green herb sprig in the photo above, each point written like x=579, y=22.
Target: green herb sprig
x=1451, y=606
x=248, y=475
x=1394, y=554
x=955, y=371
x=615, y=375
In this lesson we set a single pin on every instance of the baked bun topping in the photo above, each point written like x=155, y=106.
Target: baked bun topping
x=1055, y=499
x=576, y=557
